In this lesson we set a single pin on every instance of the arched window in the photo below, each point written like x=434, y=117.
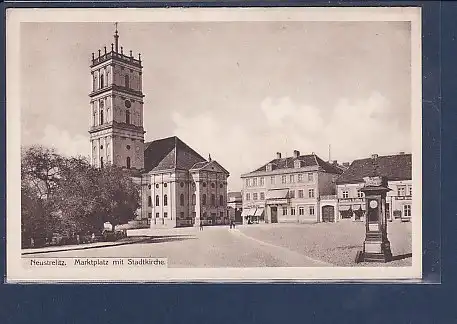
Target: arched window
x=127, y=81
x=102, y=83
x=101, y=117
x=181, y=200
x=165, y=200
x=221, y=200
x=101, y=162
x=128, y=162
x=127, y=117
x=157, y=200
x=213, y=200
x=204, y=199
x=193, y=200
x=149, y=201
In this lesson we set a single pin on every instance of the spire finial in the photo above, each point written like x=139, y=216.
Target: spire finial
x=116, y=38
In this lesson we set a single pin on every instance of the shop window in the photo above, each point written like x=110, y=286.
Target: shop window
x=407, y=210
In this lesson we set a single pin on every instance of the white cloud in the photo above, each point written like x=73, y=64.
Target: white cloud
x=64, y=143
x=354, y=130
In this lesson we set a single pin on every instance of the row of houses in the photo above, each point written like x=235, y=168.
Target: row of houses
x=305, y=188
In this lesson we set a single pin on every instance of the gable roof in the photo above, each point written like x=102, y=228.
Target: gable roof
x=306, y=161
x=394, y=167
x=169, y=153
x=206, y=165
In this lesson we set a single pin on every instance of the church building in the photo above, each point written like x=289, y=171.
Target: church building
x=178, y=186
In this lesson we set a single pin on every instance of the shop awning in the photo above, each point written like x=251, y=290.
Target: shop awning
x=344, y=208
x=248, y=212
x=259, y=212
x=277, y=194
x=356, y=207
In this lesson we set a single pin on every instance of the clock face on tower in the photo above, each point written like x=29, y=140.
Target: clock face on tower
x=128, y=104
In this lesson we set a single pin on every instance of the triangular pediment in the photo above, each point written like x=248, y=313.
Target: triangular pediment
x=213, y=166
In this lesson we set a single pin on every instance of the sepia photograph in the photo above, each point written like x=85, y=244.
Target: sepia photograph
x=241, y=144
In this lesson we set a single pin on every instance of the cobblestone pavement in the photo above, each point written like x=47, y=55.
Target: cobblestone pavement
x=269, y=245
x=336, y=243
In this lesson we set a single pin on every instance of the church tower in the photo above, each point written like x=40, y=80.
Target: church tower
x=116, y=125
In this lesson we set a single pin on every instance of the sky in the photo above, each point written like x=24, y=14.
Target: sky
x=240, y=91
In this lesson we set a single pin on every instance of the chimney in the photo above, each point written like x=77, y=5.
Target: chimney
x=278, y=155
x=402, y=153
x=374, y=156
x=296, y=154
x=335, y=162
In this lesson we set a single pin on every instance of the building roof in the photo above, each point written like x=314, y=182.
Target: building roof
x=169, y=153
x=393, y=167
x=306, y=161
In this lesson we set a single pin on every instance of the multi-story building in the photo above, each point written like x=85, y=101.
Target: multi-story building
x=235, y=206
x=288, y=189
x=178, y=186
x=396, y=168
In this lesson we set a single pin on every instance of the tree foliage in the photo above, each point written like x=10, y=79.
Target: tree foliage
x=69, y=196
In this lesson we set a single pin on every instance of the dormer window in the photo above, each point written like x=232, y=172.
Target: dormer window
x=297, y=164
x=269, y=167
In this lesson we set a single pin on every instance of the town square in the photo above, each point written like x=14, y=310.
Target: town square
x=304, y=165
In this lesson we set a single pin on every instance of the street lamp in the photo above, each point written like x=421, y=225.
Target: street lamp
x=376, y=247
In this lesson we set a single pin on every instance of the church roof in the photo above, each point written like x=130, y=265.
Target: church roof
x=169, y=153
x=393, y=167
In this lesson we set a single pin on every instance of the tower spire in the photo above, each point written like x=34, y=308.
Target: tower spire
x=116, y=39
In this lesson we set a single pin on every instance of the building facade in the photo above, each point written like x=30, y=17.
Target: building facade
x=178, y=186
x=235, y=206
x=398, y=171
x=288, y=189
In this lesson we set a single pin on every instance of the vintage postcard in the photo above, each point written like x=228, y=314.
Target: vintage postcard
x=214, y=145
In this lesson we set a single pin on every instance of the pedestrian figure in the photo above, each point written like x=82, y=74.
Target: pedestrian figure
x=231, y=224
x=201, y=226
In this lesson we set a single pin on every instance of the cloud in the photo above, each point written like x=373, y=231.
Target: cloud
x=65, y=143
x=354, y=129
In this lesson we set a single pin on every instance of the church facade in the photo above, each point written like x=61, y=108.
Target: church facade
x=178, y=186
